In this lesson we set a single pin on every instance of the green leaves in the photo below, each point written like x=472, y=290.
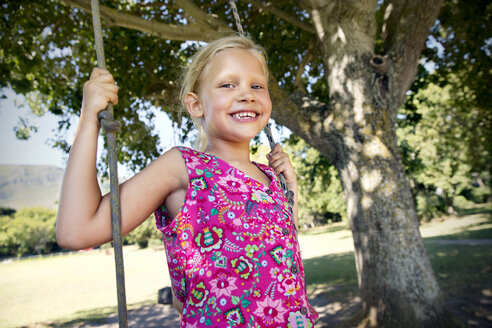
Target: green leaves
x=30, y=230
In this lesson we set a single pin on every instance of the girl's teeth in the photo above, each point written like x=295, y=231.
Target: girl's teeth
x=244, y=115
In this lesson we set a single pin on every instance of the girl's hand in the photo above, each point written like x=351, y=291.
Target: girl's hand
x=280, y=163
x=98, y=92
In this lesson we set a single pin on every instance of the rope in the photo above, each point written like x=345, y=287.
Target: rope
x=111, y=127
x=289, y=194
x=236, y=17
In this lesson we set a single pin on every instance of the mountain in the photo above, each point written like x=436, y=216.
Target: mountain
x=30, y=186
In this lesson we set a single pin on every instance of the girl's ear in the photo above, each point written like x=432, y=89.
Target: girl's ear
x=193, y=105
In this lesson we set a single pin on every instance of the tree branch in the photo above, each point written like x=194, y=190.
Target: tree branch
x=406, y=26
x=200, y=16
x=164, y=31
x=339, y=31
x=268, y=6
x=305, y=116
x=298, y=85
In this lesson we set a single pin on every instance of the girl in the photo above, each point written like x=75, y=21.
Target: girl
x=229, y=233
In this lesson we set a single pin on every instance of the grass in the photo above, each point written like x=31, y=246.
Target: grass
x=42, y=290
x=460, y=267
x=335, y=227
x=457, y=268
x=67, y=290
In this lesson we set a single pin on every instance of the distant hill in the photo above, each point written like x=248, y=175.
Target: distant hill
x=30, y=185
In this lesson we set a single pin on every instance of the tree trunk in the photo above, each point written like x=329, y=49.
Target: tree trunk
x=396, y=281
x=397, y=285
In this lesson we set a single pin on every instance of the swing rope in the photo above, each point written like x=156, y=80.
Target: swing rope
x=268, y=131
x=111, y=127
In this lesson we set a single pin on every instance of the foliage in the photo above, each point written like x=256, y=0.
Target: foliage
x=320, y=198
x=460, y=55
x=144, y=233
x=445, y=127
x=47, y=53
x=439, y=150
x=32, y=231
x=320, y=191
x=29, y=231
x=53, y=43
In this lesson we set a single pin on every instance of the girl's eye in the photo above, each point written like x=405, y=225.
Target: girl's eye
x=257, y=87
x=227, y=85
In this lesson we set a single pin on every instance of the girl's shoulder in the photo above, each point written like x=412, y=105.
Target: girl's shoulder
x=170, y=166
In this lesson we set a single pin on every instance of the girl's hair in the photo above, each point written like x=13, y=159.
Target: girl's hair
x=192, y=74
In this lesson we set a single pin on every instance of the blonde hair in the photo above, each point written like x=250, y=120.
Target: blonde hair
x=192, y=74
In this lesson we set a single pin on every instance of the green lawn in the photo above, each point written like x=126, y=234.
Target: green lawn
x=50, y=288
x=82, y=286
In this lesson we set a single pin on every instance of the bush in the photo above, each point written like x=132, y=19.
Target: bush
x=429, y=206
x=144, y=233
x=327, y=218
x=481, y=194
x=29, y=231
x=461, y=202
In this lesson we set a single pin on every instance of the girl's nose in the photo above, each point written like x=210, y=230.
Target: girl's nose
x=245, y=95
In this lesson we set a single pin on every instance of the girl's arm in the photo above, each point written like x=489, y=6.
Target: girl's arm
x=280, y=162
x=84, y=215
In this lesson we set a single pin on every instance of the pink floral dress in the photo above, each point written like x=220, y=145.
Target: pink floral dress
x=232, y=253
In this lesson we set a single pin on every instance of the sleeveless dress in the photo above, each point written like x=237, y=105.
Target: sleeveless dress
x=232, y=250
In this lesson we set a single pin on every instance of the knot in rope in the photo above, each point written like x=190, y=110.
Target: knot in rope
x=107, y=121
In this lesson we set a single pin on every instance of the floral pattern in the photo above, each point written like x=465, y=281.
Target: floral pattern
x=270, y=311
x=232, y=252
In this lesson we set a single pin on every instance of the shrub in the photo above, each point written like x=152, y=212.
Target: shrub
x=144, y=233
x=428, y=206
x=29, y=231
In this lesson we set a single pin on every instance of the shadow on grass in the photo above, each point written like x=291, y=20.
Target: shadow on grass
x=460, y=268
x=478, y=209
x=95, y=317
x=464, y=274
x=470, y=234
x=332, y=270
x=457, y=267
x=145, y=314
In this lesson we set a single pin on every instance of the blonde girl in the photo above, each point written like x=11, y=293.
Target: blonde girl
x=227, y=228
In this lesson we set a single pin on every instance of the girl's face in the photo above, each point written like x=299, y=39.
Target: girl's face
x=233, y=98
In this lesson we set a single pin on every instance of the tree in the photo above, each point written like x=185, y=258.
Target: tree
x=340, y=71
x=466, y=67
x=441, y=142
x=445, y=127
